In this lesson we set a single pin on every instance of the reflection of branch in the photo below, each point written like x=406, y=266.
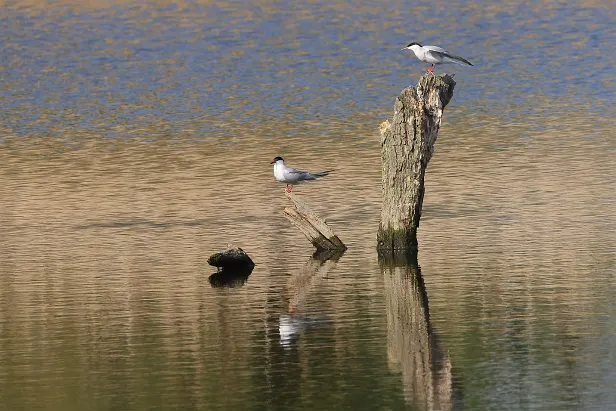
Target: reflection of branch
x=299, y=286
x=413, y=347
x=306, y=278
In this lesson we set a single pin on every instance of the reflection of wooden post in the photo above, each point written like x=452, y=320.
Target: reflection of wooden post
x=314, y=228
x=407, y=143
x=412, y=346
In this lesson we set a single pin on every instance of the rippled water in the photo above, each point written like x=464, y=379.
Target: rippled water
x=135, y=141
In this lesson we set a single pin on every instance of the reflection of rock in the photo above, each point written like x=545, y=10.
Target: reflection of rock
x=230, y=277
x=293, y=324
x=412, y=347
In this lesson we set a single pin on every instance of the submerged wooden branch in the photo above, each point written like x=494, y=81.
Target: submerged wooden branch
x=407, y=144
x=314, y=228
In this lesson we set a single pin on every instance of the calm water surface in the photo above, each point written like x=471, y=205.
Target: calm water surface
x=135, y=141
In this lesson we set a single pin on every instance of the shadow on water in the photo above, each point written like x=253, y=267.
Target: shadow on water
x=234, y=276
x=413, y=347
x=294, y=323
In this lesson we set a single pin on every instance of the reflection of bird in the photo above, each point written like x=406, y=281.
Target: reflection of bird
x=435, y=55
x=292, y=326
x=292, y=176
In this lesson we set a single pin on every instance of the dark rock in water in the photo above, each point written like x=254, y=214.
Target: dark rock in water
x=231, y=257
x=234, y=267
x=231, y=276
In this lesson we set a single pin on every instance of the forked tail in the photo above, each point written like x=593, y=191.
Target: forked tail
x=459, y=60
x=322, y=173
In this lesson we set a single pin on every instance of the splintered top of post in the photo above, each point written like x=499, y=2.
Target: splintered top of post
x=444, y=84
x=440, y=88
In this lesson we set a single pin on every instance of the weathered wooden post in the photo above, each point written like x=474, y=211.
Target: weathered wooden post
x=407, y=144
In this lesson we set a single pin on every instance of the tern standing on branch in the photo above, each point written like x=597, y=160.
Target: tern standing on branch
x=435, y=55
x=292, y=176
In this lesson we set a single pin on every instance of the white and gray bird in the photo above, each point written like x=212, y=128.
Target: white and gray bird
x=435, y=55
x=291, y=176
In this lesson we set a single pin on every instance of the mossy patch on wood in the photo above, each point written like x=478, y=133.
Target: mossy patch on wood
x=396, y=239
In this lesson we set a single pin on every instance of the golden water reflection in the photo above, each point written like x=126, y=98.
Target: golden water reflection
x=135, y=141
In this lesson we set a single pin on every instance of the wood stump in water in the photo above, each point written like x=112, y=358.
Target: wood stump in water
x=407, y=144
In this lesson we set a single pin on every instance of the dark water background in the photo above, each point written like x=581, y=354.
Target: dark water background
x=135, y=141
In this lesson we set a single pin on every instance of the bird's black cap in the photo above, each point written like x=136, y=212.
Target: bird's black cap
x=276, y=159
x=414, y=44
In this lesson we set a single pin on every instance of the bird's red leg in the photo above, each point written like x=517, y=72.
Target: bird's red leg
x=431, y=69
x=289, y=188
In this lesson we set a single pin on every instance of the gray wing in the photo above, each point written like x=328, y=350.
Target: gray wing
x=292, y=174
x=437, y=52
x=440, y=53
x=437, y=49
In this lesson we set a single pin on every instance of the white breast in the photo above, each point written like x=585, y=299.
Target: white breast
x=279, y=172
x=421, y=55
